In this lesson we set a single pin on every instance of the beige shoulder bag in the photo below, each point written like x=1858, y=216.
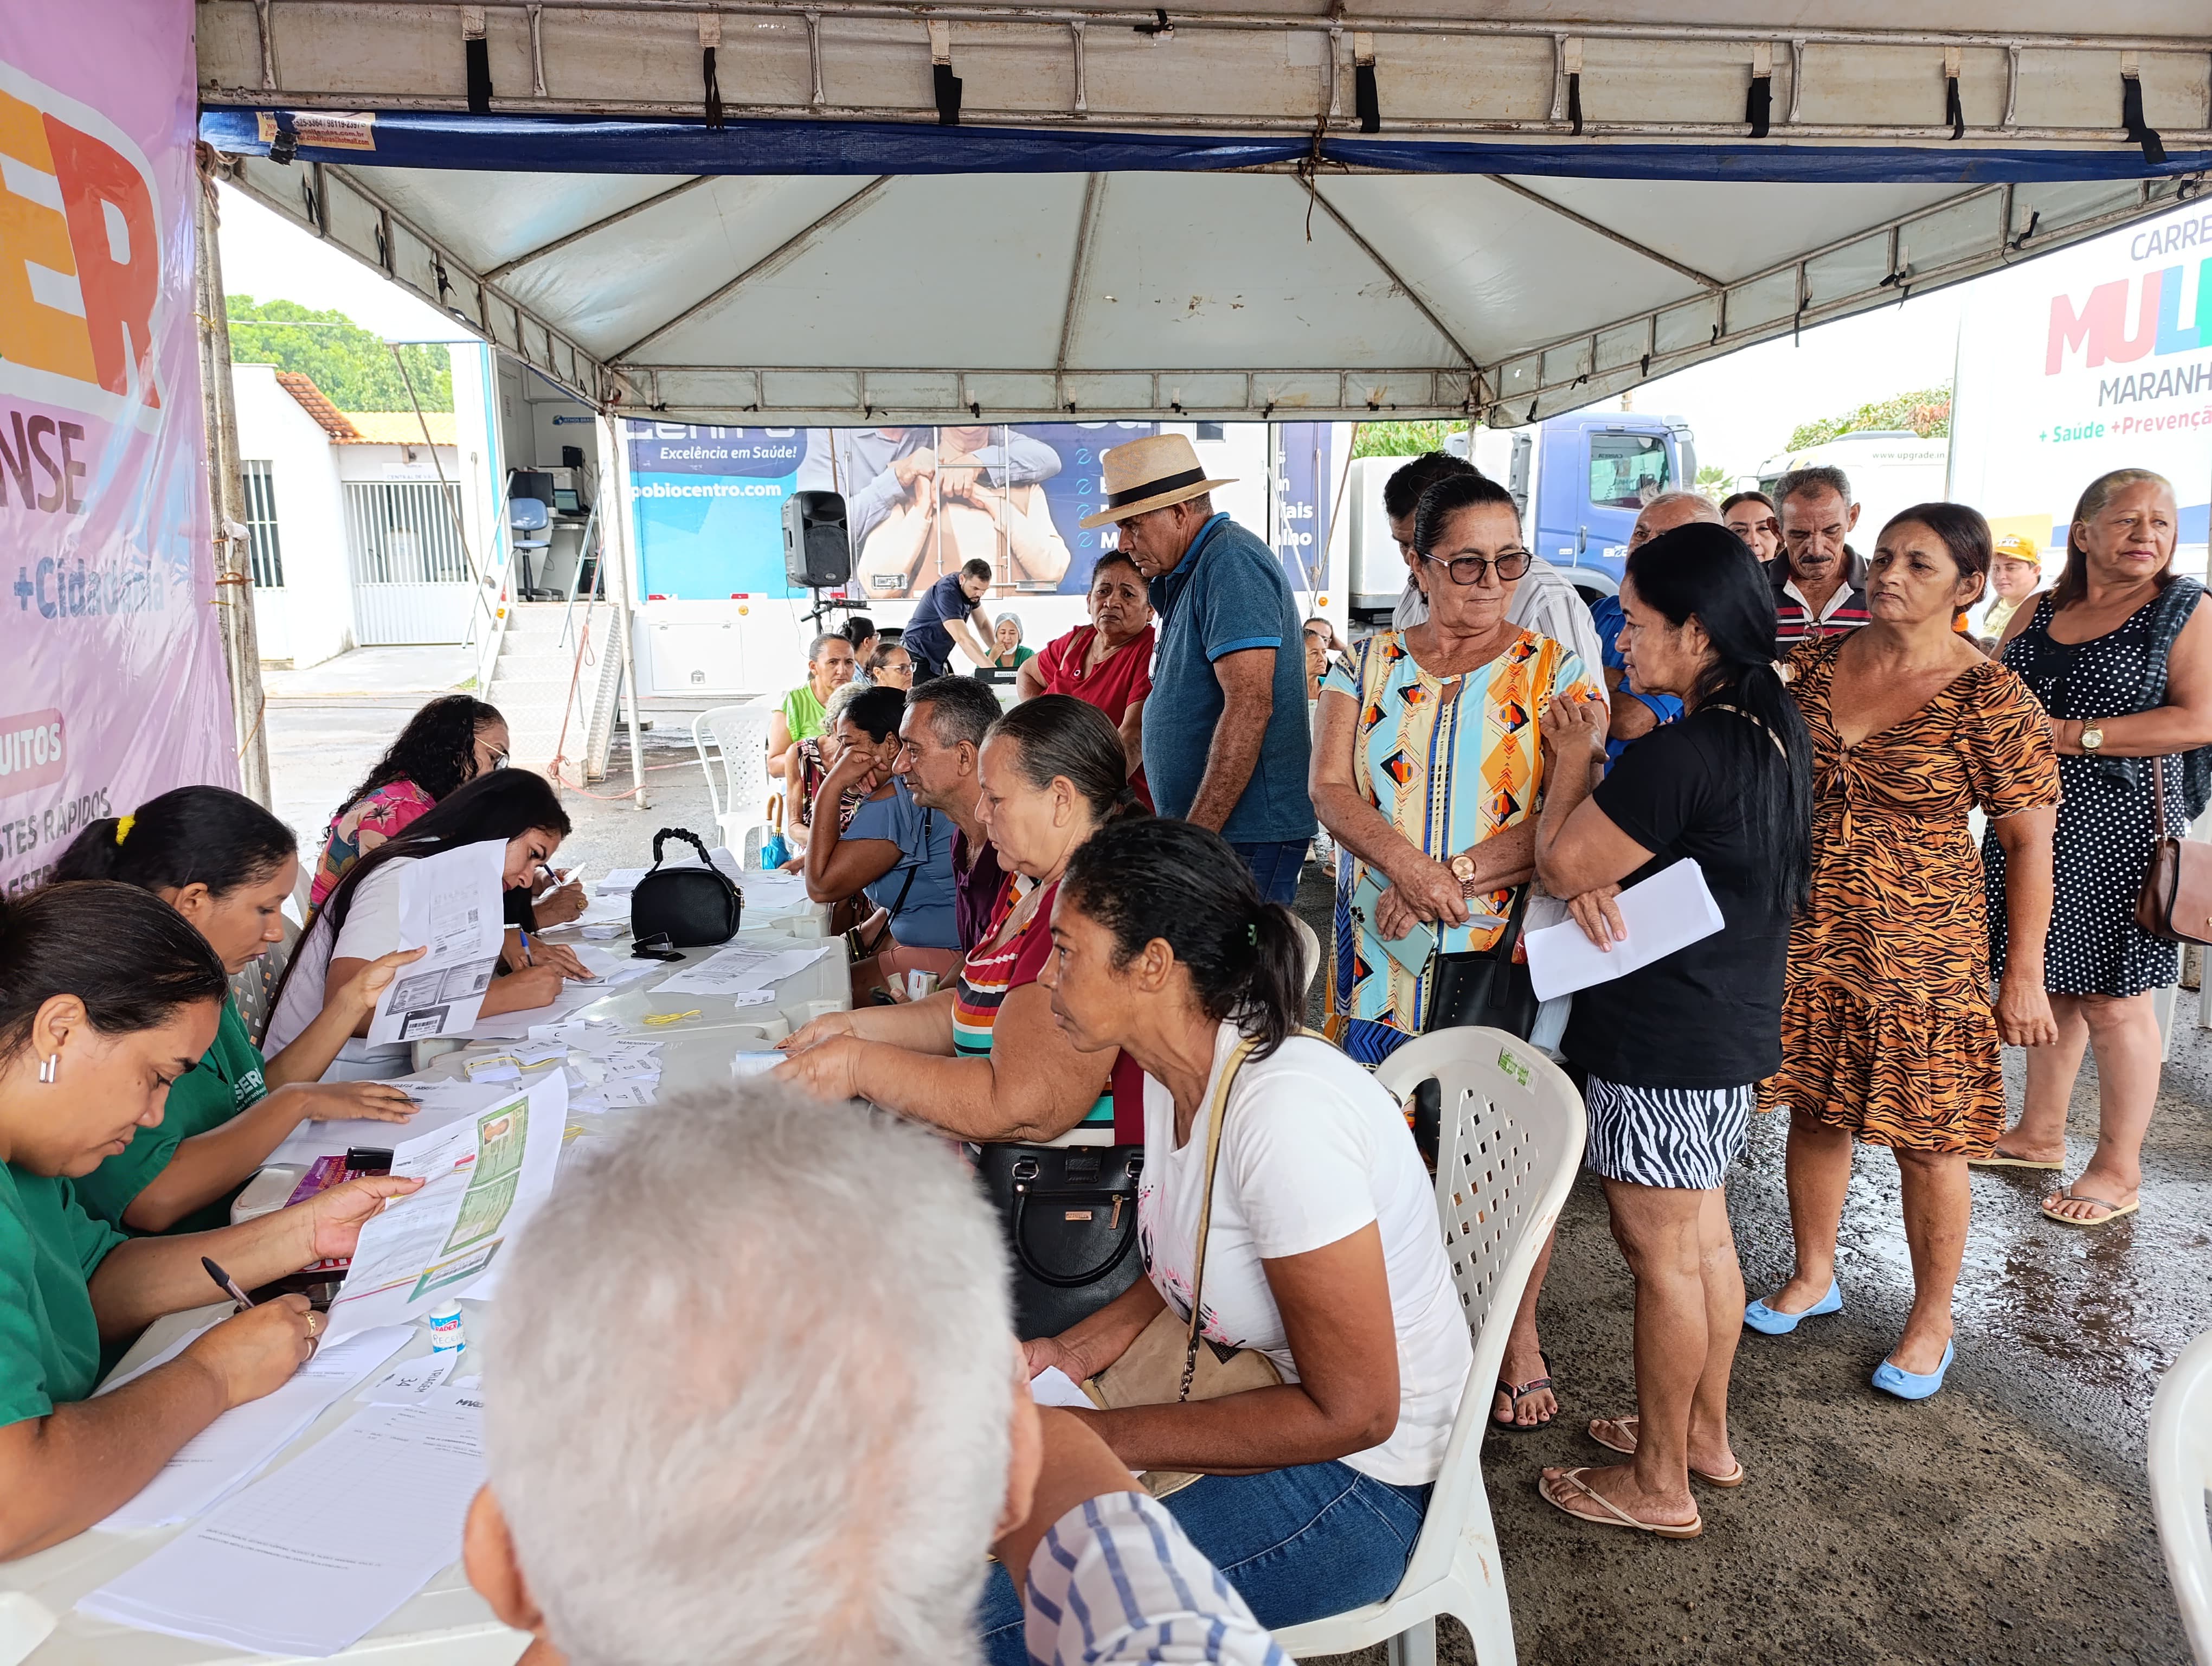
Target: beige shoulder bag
x=1165, y=1365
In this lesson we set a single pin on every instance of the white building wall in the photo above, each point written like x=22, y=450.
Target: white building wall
x=310, y=620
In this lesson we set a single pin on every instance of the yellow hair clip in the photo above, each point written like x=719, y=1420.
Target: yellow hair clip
x=122, y=828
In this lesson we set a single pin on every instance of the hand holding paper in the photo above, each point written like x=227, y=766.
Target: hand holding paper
x=1669, y=911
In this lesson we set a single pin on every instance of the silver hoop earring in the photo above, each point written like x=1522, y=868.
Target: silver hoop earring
x=50, y=1068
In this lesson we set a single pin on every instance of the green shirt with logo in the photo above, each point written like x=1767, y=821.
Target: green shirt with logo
x=224, y=1083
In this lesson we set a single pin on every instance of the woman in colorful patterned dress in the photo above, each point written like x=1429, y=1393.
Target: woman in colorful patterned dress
x=453, y=738
x=1428, y=769
x=983, y=1060
x=1889, y=1033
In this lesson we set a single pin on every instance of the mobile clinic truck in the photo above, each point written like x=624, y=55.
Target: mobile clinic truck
x=1578, y=481
x=2097, y=357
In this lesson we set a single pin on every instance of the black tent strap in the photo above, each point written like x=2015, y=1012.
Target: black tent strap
x=714, y=100
x=1365, y=99
x=1759, y=104
x=948, y=95
x=2131, y=117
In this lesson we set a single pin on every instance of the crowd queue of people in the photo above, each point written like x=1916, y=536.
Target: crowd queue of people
x=1095, y=882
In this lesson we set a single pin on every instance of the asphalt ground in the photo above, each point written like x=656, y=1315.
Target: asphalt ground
x=2004, y=1523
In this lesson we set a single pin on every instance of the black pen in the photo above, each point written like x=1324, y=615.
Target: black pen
x=229, y=1285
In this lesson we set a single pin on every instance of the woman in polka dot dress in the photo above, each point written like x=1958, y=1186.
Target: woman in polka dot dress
x=2121, y=656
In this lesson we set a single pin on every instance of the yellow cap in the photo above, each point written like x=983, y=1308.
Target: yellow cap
x=2012, y=546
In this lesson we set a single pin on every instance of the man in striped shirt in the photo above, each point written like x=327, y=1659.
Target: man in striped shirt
x=752, y=1394
x=1820, y=581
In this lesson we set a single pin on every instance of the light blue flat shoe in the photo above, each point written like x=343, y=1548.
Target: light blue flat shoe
x=1905, y=1385
x=1767, y=1322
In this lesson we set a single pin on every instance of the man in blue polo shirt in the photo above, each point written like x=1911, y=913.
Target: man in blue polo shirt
x=1226, y=741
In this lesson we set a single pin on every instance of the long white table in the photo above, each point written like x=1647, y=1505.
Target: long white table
x=445, y=1624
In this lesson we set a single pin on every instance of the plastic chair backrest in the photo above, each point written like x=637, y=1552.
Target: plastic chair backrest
x=1308, y=949
x=526, y=514
x=739, y=738
x=1510, y=1144
x=2180, y=1462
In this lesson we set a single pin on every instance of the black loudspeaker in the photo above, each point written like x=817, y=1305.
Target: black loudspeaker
x=816, y=553
x=572, y=457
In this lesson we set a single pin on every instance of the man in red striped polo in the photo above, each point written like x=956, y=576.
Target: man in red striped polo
x=1820, y=582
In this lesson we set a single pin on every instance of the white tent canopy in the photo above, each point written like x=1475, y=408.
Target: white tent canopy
x=1015, y=213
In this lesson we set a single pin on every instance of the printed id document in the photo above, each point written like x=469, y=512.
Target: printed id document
x=484, y=1176
x=450, y=902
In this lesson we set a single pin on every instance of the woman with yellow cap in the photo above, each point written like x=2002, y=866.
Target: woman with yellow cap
x=2015, y=573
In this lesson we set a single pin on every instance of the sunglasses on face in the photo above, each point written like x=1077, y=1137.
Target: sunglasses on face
x=1473, y=569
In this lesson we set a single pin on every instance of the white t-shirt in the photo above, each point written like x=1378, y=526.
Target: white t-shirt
x=371, y=930
x=1312, y=1149
x=1544, y=600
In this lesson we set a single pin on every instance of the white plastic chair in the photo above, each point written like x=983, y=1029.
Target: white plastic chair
x=1511, y=1141
x=2180, y=1476
x=1308, y=950
x=739, y=735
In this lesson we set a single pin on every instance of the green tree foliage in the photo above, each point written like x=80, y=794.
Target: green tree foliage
x=351, y=365
x=1927, y=412
x=1713, y=481
x=1401, y=439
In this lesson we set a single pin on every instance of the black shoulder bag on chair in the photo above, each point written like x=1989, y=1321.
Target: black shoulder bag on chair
x=1477, y=987
x=691, y=906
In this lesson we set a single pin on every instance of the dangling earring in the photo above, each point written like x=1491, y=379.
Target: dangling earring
x=50, y=1068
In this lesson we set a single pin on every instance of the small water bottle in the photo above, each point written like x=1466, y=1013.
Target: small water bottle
x=446, y=1336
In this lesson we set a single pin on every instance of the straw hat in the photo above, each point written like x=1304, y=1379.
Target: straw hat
x=1151, y=473
x=2014, y=547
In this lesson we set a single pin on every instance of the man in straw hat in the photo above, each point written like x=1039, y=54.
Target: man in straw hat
x=1226, y=744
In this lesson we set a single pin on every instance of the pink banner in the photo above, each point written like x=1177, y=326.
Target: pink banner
x=114, y=688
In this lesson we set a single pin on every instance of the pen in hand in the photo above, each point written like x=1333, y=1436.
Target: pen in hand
x=229, y=1285
x=525, y=936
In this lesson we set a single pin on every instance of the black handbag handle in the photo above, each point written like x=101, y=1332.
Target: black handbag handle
x=689, y=837
x=1062, y=1281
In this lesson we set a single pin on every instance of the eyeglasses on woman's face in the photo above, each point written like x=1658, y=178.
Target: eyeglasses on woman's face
x=1508, y=564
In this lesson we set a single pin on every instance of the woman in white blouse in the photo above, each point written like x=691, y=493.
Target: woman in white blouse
x=1323, y=1252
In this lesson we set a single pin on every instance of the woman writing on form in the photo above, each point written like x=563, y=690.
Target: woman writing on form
x=227, y=865
x=106, y=997
x=361, y=922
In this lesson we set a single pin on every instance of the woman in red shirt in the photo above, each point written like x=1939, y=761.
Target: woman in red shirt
x=1107, y=663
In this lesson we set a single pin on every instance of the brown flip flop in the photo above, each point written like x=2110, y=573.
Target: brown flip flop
x=1628, y=1424
x=1556, y=1490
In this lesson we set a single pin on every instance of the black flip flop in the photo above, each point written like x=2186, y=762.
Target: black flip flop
x=1516, y=1395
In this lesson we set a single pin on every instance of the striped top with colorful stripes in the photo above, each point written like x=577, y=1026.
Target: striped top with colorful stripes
x=993, y=970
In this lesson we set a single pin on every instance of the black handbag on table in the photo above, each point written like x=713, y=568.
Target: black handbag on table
x=1070, y=1217
x=690, y=906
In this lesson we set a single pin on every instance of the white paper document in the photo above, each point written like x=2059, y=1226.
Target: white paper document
x=232, y=1449
x=612, y=968
x=1054, y=1387
x=740, y=969
x=440, y=1104
x=1669, y=911
x=311, y=1559
x=755, y=1064
x=451, y=903
x=411, y=1381
x=773, y=892
x=485, y=1176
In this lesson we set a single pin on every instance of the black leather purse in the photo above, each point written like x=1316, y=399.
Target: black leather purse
x=1486, y=987
x=690, y=906
x=1070, y=1217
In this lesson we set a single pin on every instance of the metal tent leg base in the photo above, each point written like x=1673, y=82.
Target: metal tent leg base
x=1415, y=1646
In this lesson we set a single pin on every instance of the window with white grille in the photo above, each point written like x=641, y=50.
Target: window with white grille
x=261, y=540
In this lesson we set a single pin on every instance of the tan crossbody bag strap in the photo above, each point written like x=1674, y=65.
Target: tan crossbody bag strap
x=1215, y=1116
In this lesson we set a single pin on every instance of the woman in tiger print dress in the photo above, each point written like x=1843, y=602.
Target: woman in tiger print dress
x=1888, y=1034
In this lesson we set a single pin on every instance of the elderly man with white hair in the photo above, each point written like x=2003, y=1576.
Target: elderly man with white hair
x=1638, y=715
x=780, y=1416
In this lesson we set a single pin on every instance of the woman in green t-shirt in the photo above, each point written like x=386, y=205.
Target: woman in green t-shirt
x=106, y=998
x=227, y=865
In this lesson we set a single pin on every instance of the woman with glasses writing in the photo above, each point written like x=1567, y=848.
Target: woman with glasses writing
x=1428, y=768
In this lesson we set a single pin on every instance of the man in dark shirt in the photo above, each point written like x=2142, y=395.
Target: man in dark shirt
x=943, y=731
x=1820, y=581
x=949, y=612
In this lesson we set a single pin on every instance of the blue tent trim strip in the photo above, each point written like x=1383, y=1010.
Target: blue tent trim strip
x=591, y=144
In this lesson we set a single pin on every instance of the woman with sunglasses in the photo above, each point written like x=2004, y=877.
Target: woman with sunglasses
x=1428, y=769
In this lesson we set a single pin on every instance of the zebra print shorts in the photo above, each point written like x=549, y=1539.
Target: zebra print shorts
x=1680, y=1137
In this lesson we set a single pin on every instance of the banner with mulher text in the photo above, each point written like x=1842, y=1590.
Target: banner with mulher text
x=116, y=688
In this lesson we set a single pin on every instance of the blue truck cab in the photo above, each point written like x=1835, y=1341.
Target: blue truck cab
x=1592, y=474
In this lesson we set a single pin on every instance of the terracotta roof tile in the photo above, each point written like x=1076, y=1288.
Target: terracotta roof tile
x=317, y=404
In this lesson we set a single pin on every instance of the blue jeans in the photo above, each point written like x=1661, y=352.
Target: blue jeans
x=1298, y=1544
x=1275, y=867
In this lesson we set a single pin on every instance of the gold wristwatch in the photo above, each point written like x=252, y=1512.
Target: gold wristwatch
x=2091, y=736
x=1462, y=869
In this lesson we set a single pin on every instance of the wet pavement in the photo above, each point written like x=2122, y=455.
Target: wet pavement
x=2004, y=1523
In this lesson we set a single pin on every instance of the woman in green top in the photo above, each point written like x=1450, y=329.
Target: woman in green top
x=1007, y=639
x=106, y=998
x=227, y=865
